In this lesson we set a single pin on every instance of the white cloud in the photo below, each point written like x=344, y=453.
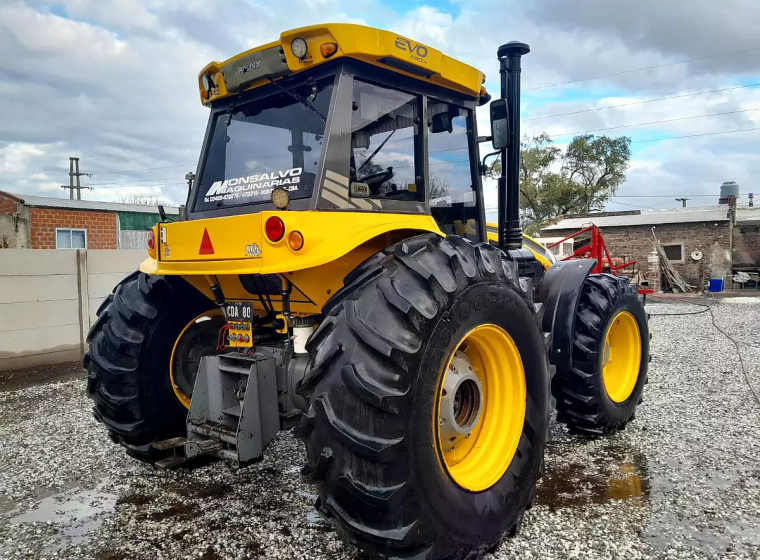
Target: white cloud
x=115, y=82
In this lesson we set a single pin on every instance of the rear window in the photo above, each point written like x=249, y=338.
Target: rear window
x=268, y=143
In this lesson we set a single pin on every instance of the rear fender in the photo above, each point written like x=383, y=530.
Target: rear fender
x=239, y=244
x=559, y=291
x=312, y=287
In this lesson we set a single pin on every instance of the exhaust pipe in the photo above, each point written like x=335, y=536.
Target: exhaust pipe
x=510, y=233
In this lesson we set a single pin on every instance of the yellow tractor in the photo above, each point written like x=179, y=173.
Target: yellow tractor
x=334, y=273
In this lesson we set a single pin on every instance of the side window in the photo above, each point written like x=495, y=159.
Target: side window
x=383, y=135
x=450, y=181
x=452, y=198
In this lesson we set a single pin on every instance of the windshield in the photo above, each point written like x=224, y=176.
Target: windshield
x=264, y=144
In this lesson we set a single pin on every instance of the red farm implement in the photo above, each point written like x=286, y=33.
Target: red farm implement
x=592, y=246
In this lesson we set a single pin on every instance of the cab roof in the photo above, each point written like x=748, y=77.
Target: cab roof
x=256, y=67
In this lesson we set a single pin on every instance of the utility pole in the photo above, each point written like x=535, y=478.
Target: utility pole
x=74, y=173
x=682, y=201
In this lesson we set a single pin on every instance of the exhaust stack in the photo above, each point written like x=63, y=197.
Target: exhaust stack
x=510, y=233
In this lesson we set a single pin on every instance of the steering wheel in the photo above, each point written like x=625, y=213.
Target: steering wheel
x=376, y=179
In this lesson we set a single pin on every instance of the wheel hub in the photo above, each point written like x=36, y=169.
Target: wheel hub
x=461, y=402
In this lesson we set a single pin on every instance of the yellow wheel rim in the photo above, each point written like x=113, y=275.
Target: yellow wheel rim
x=205, y=316
x=480, y=410
x=621, y=356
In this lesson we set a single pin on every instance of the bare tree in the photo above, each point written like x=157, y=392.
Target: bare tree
x=144, y=200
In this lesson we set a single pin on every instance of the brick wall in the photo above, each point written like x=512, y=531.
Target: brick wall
x=8, y=207
x=747, y=244
x=100, y=226
x=635, y=243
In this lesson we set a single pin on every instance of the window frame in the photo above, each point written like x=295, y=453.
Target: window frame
x=70, y=230
x=469, y=137
x=674, y=244
x=253, y=96
x=419, y=140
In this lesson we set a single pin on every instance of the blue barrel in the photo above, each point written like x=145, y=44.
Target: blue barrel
x=716, y=285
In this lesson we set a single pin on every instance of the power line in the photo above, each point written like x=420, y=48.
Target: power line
x=659, y=122
x=696, y=135
x=137, y=181
x=641, y=102
x=102, y=154
x=633, y=205
x=143, y=169
x=150, y=186
x=663, y=195
x=641, y=69
x=713, y=181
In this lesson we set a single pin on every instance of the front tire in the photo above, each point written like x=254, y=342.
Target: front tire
x=372, y=432
x=599, y=392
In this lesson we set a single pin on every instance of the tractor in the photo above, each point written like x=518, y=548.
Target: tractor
x=333, y=273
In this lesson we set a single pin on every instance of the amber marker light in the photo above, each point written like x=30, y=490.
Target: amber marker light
x=295, y=240
x=328, y=49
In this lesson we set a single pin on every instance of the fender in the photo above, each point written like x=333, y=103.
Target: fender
x=559, y=292
x=239, y=244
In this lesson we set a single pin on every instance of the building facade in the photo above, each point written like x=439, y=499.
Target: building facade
x=34, y=222
x=697, y=241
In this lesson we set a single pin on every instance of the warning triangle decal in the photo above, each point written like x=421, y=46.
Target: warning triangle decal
x=206, y=247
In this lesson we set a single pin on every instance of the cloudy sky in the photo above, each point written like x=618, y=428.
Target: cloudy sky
x=114, y=82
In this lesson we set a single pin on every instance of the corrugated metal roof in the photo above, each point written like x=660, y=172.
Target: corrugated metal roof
x=49, y=202
x=647, y=218
x=747, y=214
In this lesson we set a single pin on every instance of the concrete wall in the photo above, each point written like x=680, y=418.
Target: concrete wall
x=48, y=300
x=634, y=243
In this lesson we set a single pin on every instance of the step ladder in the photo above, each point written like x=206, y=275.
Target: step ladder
x=233, y=413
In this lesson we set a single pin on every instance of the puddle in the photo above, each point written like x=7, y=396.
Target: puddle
x=613, y=473
x=78, y=514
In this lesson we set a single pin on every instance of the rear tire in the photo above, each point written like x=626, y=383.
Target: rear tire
x=371, y=432
x=584, y=403
x=131, y=344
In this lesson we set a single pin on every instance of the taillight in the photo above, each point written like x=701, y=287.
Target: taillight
x=152, y=245
x=274, y=228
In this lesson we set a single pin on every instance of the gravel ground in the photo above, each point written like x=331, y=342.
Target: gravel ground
x=683, y=480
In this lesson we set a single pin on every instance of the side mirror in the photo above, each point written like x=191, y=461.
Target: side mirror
x=500, y=124
x=442, y=123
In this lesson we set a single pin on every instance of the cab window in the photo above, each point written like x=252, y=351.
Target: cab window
x=450, y=181
x=451, y=194
x=384, y=131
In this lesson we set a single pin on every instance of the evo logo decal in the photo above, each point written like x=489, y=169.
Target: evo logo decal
x=417, y=51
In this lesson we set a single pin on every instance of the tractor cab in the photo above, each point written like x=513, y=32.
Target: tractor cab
x=342, y=118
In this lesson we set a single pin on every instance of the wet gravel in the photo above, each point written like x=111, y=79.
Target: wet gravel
x=681, y=482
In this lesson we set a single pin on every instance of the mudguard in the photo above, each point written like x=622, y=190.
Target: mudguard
x=559, y=292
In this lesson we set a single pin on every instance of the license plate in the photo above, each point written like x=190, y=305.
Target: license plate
x=239, y=333
x=238, y=311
